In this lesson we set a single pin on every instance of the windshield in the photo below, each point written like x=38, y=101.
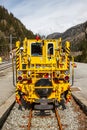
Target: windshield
x=36, y=49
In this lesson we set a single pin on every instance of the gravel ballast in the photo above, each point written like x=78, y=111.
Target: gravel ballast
x=72, y=118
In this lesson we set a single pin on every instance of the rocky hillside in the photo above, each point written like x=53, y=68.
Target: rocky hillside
x=77, y=35
x=74, y=34
x=9, y=25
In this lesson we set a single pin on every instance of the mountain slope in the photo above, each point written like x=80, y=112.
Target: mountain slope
x=74, y=34
x=11, y=25
x=77, y=35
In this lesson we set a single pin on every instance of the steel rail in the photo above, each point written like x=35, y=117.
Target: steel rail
x=5, y=66
x=29, y=121
x=58, y=119
x=4, y=62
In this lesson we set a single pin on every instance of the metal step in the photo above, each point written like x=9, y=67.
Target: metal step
x=43, y=107
x=43, y=100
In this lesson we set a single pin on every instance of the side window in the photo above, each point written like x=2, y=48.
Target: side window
x=50, y=49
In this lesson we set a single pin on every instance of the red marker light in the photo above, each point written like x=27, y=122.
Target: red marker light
x=37, y=38
x=19, y=78
x=66, y=78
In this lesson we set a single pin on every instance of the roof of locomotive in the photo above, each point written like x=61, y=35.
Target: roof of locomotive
x=43, y=40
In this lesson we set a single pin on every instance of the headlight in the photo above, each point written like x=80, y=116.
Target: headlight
x=19, y=72
x=67, y=72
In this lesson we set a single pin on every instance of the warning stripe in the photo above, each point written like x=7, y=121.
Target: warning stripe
x=67, y=65
x=68, y=50
x=17, y=64
x=68, y=59
x=17, y=58
x=68, y=62
x=17, y=49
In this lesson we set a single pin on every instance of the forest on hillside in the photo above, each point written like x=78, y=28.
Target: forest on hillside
x=9, y=25
x=82, y=47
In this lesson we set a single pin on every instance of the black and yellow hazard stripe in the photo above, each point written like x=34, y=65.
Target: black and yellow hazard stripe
x=68, y=62
x=68, y=50
x=67, y=54
x=17, y=58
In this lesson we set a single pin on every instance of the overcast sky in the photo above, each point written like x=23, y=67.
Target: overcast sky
x=48, y=16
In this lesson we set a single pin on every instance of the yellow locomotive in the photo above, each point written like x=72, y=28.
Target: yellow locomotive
x=43, y=72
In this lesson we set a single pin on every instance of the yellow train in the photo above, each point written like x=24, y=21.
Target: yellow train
x=43, y=73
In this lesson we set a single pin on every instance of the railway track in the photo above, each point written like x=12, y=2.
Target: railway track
x=48, y=115
x=5, y=66
x=30, y=117
x=58, y=119
x=71, y=118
